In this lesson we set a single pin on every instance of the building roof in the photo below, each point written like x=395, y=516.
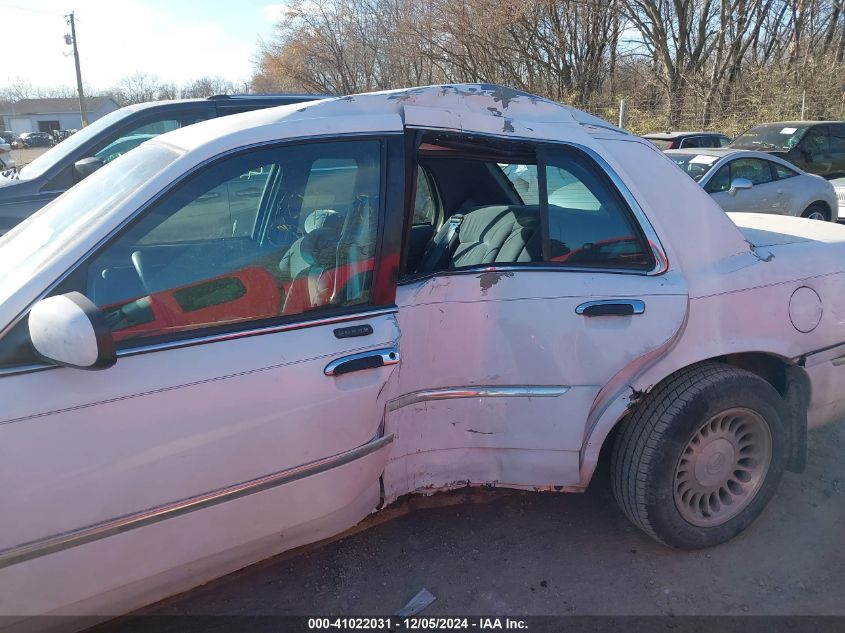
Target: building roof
x=51, y=105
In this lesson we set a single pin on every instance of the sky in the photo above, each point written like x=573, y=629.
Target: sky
x=176, y=40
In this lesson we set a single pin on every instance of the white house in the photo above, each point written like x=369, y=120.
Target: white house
x=46, y=115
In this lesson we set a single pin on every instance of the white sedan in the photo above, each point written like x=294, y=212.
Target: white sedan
x=301, y=314
x=756, y=182
x=839, y=188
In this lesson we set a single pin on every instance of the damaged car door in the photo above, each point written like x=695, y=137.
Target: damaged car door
x=543, y=290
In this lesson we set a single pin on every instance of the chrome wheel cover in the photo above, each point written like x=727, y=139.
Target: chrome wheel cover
x=815, y=215
x=722, y=467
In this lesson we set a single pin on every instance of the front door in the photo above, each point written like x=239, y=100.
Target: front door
x=762, y=197
x=532, y=296
x=244, y=415
x=814, y=150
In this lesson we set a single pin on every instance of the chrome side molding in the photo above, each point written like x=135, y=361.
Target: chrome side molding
x=111, y=527
x=478, y=391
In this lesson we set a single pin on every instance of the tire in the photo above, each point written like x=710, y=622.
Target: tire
x=815, y=212
x=662, y=486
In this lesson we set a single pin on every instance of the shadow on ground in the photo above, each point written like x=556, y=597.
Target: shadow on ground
x=545, y=553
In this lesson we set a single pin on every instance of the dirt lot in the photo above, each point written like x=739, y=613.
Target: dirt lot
x=534, y=554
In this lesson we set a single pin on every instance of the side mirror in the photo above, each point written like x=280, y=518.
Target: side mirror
x=739, y=183
x=71, y=331
x=87, y=166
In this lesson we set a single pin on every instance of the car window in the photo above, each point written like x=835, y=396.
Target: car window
x=837, y=139
x=696, y=166
x=721, y=180
x=424, y=205
x=660, y=143
x=524, y=181
x=771, y=136
x=588, y=223
x=228, y=210
x=272, y=233
x=130, y=139
x=782, y=172
x=693, y=141
x=723, y=141
x=753, y=169
x=816, y=140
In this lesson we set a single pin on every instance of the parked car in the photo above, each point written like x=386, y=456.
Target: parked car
x=839, y=188
x=36, y=139
x=817, y=147
x=686, y=140
x=756, y=182
x=55, y=171
x=7, y=137
x=250, y=288
x=7, y=162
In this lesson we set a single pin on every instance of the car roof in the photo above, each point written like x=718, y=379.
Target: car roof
x=674, y=135
x=727, y=152
x=716, y=151
x=268, y=100
x=795, y=123
x=448, y=106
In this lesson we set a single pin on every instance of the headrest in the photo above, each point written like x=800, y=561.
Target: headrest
x=322, y=219
x=484, y=223
x=319, y=247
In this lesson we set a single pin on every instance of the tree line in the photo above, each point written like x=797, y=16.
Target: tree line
x=129, y=90
x=694, y=63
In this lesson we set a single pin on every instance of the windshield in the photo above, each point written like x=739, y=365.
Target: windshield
x=27, y=248
x=71, y=143
x=777, y=136
x=696, y=166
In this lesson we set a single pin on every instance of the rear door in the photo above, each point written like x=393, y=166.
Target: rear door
x=814, y=148
x=247, y=399
x=837, y=149
x=788, y=188
x=550, y=292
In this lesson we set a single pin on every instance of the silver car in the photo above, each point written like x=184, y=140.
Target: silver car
x=743, y=180
x=839, y=188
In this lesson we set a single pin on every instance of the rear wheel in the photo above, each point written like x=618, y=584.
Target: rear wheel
x=815, y=212
x=701, y=455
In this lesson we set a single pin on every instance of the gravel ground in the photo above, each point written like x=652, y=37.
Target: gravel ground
x=507, y=553
x=24, y=156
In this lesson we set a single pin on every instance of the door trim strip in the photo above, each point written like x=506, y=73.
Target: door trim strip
x=477, y=391
x=111, y=527
x=142, y=348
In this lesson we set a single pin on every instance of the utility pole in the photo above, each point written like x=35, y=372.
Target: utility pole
x=83, y=111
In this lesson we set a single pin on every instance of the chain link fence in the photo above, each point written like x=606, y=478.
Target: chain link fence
x=732, y=116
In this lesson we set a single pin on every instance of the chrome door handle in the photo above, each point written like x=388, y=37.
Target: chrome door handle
x=611, y=307
x=364, y=360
